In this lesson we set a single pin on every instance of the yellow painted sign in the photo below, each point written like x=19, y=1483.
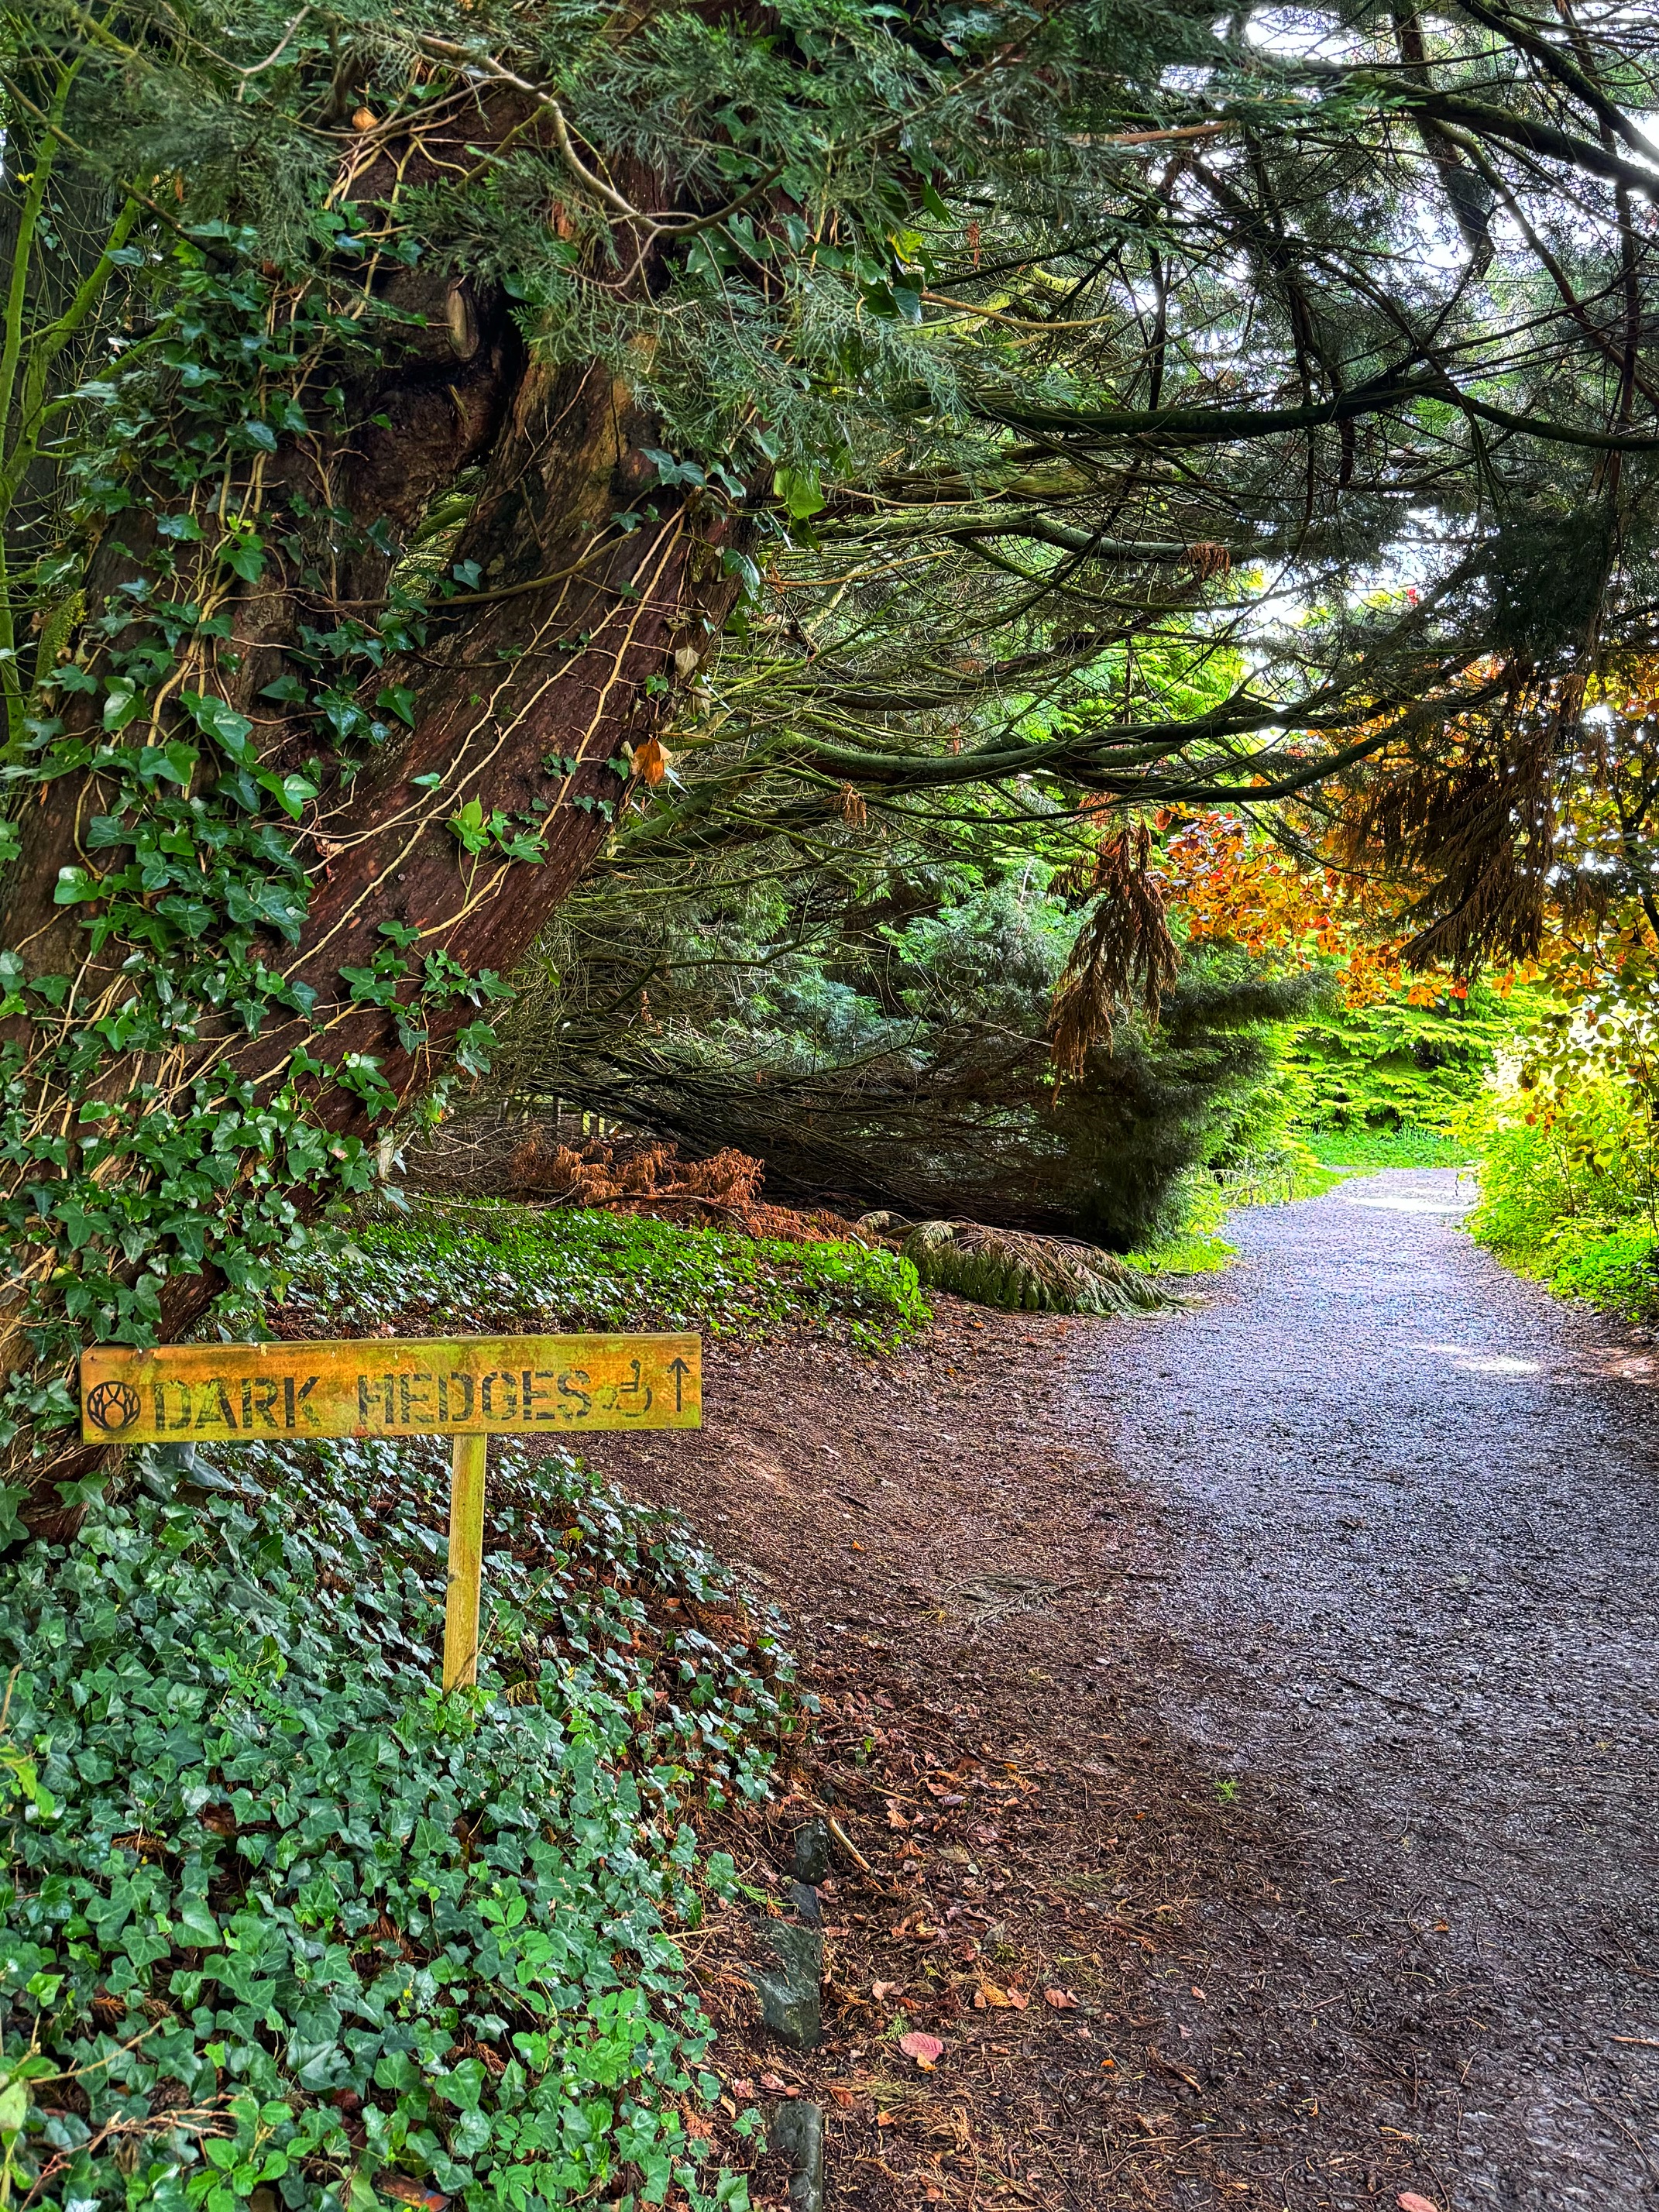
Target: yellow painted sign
x=376, y=1386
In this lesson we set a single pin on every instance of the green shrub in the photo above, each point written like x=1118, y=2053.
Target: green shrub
x=899, y=1060
x=482, y=1264
x=1394, y=1066
x=1568, y=1188
x=1615, y=1269
x=276, y=1911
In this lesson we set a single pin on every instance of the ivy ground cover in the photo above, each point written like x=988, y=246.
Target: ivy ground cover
x=277, y=1917
x=483, y=1264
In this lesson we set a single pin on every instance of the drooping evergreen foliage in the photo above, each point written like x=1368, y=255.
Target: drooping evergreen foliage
x=879, y=1036
x=1393, y=1064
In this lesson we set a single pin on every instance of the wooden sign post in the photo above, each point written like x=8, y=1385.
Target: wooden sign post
x=468, y=1388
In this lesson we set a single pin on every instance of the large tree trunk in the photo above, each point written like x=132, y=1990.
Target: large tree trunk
x=527, y=688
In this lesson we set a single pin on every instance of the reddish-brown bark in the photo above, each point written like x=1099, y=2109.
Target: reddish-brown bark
x=546, y=663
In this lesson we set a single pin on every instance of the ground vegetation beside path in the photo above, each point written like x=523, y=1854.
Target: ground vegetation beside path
x=1269, y=1683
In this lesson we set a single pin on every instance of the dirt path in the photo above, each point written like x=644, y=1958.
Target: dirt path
x=957, y=1562
x=1415, y=1537
x=1275, y=1682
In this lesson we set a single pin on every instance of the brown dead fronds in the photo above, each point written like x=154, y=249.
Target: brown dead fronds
x=1124, y=954
x=1477, y=833
x=1209, y=559
x=527, y=1158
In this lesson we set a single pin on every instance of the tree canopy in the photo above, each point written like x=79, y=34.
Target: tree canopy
x=446, y=447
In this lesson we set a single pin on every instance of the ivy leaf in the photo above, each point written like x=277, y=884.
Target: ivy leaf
x=196, y=1923
x=343, y=712
x=122, y=701
x=734, y=563
x=469, y=828
x=398, y=2070
x=231, y=732
x=671, y=472
x=446, y=978
x=291, y=792
x=360, y=1073
x=245, y=556
x=256, y=905
x=398, y=699
x=74, y=885
x=369, y=988
x=177, y=761
x=473, y=1046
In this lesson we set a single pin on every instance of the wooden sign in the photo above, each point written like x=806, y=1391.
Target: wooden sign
x=470, y=1388
x=377, y=1386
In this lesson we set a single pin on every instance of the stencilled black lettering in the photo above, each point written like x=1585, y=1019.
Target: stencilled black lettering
x=210, y=1413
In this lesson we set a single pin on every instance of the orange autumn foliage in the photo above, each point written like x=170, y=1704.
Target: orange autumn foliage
x=1228, y=881
x=1331, y=894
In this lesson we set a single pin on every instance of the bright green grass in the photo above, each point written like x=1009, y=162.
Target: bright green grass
x=1373, y=1149
x=1190, y=1252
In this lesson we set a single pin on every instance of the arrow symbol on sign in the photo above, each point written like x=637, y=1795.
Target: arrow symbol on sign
x=679, y=1370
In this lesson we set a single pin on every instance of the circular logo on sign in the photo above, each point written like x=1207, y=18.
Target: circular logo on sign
x=114, y=1405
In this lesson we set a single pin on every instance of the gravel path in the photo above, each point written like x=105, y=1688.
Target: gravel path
x=1414, y=1506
